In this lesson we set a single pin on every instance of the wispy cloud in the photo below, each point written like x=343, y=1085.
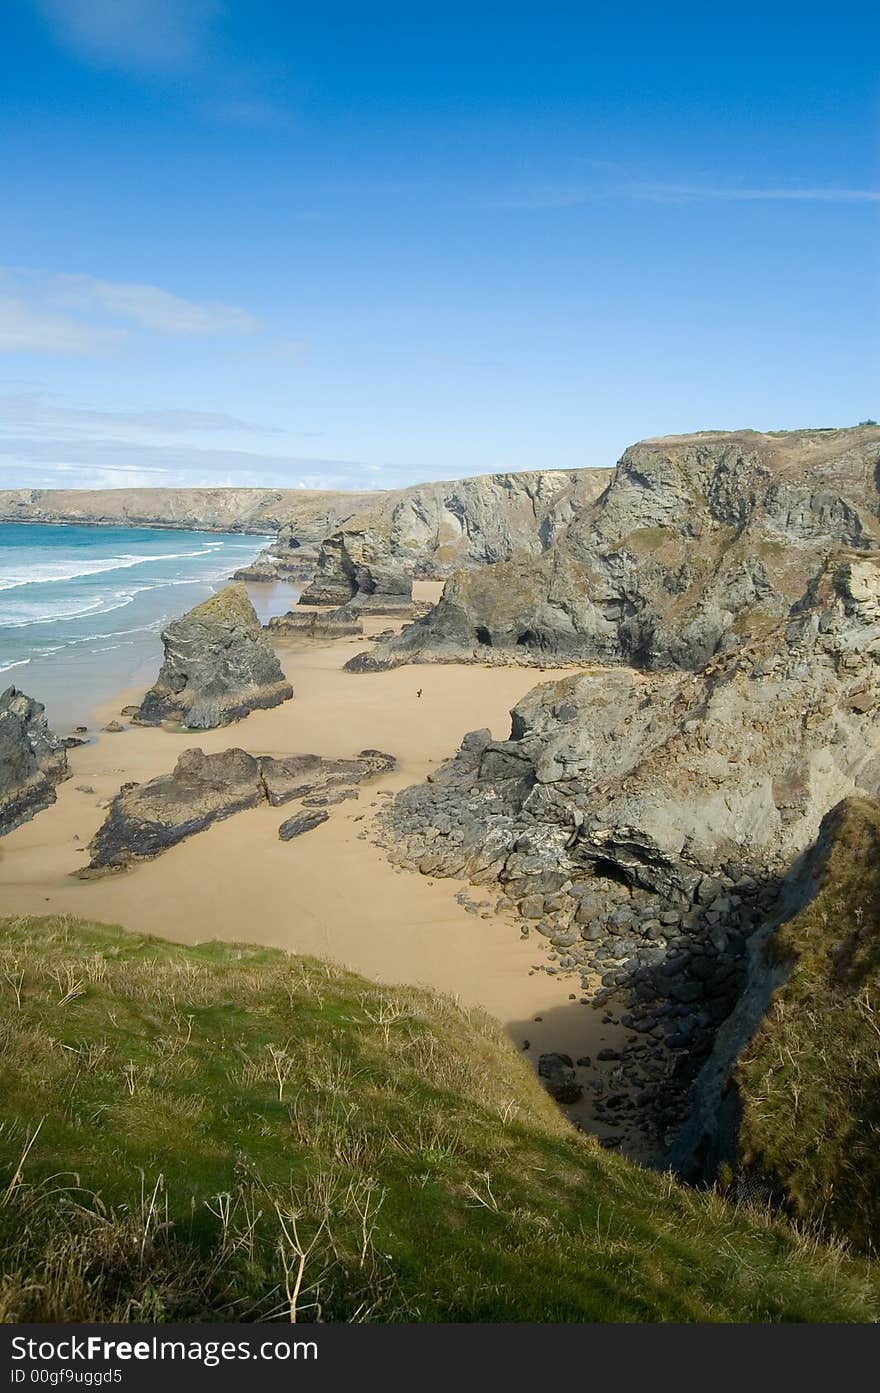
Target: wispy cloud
x=695, y=193
x=35, y=411
x=87, y=462
x=151, y=307
x=561, y=196
x=43, y=312
x=133, y=34
x=28, y=328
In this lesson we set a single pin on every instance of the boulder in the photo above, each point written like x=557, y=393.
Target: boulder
x=302, y=822
x=219, y=666
x=558, y=1077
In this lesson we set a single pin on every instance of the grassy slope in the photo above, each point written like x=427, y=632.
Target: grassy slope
x=810, y=1079
x=395, y=1146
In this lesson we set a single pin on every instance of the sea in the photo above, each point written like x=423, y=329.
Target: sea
x=82, y=608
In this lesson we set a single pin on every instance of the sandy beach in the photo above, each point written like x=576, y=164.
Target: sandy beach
x=333, y=892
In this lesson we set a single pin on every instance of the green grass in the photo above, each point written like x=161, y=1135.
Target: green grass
x=810, y=1080
x=228, y=1132
x=650, y=538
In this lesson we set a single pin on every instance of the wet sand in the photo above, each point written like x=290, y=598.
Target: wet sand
x=332, y=892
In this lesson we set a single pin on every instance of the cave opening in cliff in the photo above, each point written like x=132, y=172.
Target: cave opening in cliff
x=483, y=636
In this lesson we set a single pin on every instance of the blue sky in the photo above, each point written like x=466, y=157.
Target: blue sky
x=247, y=241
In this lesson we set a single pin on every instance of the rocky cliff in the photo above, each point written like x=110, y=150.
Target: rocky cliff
x=218, y=666
x=316, y=512
x=697, y=541
x=32, y=759
x=293, y=554
x=431, y=530
x=642, y=822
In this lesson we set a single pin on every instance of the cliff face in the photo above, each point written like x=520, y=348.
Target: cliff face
x=697, y=540
x=293, y=555
x=32, y=759
x=433, y=529
x=642, y=821
x=211, y=510
x=218, y=667
x=786, y=1106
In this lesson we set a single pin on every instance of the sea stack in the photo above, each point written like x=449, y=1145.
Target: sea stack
x=219, y=666
x=32, y=759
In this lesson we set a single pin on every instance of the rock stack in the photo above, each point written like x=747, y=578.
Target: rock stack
x=219, y=666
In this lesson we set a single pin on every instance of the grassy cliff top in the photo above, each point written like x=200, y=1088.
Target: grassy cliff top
x=185, y=1130
x=810, y=1080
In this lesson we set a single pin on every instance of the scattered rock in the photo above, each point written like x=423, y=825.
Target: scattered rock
x=302, y=822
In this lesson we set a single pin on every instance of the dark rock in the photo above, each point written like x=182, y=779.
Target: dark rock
x=557, y=1073
x=302, y=822
x=32, y=760
x=146, y=819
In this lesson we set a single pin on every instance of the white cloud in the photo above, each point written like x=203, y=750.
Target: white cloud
x=134, y=34
x=30, y=410
x=152, y=307
x=35, y=313
x=27, y=328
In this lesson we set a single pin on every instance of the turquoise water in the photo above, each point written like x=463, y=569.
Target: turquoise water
x=82, y=608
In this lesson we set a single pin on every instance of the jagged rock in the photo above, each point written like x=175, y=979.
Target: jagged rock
x=292, y=555
x=32, y=759
x=218, y=667
x=429, y=530
x=302, y=822
x=146, y=819
x=697, y=541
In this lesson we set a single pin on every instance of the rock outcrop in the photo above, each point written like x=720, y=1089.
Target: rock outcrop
x=428, y=531
x=315, y=624
x=293, y=554
x=219, y=666
x=642, y=822
x=697, y=541
x=146, y=819
x=32, y=759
